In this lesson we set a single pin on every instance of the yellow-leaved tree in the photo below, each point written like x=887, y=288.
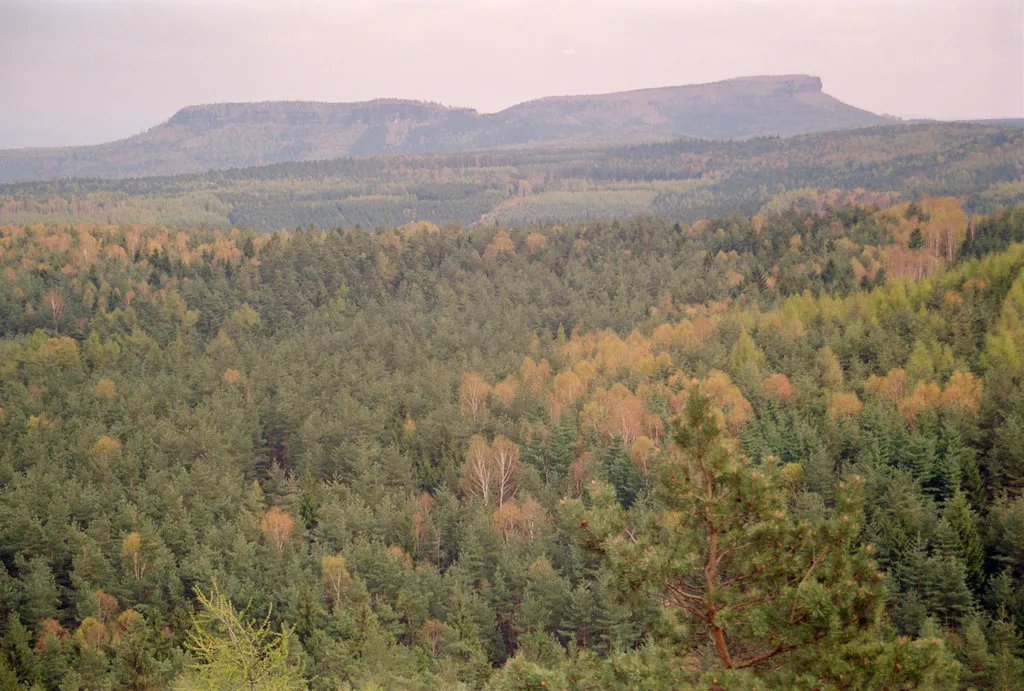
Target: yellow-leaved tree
x=277, y=526
x=236, y=652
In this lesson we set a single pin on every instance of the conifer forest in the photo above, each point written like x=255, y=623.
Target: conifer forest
x=769, y=450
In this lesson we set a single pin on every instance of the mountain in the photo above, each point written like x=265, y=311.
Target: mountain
x=209, y=137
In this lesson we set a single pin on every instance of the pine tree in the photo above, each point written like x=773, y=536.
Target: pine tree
x=310, y=500
x=907, y=556
x=909, y=613
x=1003, y=592
x=39, y=590
x=723, y=551
x=819, y=471
x=504, y=601
x=896, y=445
x=308, y=612
x=460, y=618
x=585, y=617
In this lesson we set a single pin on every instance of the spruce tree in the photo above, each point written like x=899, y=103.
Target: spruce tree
x=621, y=474
x=582, y=617
x=920, y=458
x=975, y=652
x=753, y=438
x=1006, y=669
x=945, y=482
x=16, y=646
x=959, y=530
x=943, y=587
x=956, y=453
x=468, y=649
x=560, y=453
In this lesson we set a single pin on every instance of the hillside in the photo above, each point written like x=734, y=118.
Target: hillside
x=488, y=458
x=683, y=180
x=209, y=137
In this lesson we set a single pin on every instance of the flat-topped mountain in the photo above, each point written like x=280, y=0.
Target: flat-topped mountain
x=226, y=135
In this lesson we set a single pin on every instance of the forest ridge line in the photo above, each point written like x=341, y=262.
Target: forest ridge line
x=209, y=137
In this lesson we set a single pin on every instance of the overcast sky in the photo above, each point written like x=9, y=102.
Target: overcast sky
x=86, y=71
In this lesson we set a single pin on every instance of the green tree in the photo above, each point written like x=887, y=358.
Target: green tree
x=959, y=531
x=975, y=652
x=916, y=240
x=235, y=652
x=41, y=596
x=8, y=679
x=137, y=662
x=919, y=456
x=16, y=648
x=723, y=550
x=1006, y=667
x=745, y=358
x=943, y=588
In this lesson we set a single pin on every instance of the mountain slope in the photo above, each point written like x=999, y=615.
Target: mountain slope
x=209, y=137
x=684, y=180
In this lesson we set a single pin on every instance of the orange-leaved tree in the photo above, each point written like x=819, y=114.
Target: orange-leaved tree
x=277, y=526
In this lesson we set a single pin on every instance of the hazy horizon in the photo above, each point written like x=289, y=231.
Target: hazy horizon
x=88, y=71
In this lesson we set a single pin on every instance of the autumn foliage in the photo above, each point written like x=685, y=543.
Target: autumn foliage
x=778, y=385
x=473, y=392
x=131, y=551
x=335, y=576
x=277, y=526
x=489, y=471
x=844, y=404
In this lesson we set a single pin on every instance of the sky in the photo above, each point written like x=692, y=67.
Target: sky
x=86, y=71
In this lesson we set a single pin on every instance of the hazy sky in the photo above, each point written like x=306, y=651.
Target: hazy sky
x=86, y=71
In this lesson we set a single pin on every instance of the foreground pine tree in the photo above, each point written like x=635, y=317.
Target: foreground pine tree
x=757, y=585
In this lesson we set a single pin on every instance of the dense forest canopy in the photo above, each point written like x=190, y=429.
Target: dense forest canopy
x=778, y=450
x=683, y=180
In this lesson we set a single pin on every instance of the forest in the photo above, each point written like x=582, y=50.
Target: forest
x=682, y=180
x=778, y=445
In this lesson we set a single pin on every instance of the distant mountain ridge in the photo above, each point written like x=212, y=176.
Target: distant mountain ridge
x=227, y=135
